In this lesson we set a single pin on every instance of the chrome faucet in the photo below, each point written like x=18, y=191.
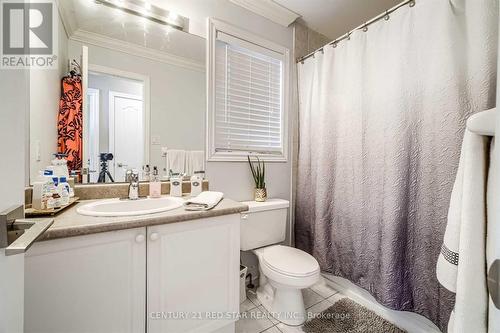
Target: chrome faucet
x=132, y=176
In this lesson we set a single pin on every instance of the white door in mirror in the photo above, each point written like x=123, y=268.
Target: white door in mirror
x=126, y=132
x=117, y=207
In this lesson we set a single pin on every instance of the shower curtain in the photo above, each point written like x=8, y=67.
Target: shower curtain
x=381, y=119
x=70, y=122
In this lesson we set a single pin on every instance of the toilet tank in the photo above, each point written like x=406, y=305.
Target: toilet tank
x=263, y=224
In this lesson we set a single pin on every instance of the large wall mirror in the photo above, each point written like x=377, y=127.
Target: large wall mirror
x=139, y=79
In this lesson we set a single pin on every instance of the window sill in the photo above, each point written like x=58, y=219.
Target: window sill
x=243, y=157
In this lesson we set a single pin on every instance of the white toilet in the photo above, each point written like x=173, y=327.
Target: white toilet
x=283, y=270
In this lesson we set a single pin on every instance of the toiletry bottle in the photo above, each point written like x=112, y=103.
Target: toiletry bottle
x=63, y=190
x=71, y=181
x=176, y=185
x=60, y=165
x=155, y=185
x=39, y=189
x=146, y=173
x=48, y=173
x=196, y=183
x=52, y=195
x=56, y=193
x=46, y=196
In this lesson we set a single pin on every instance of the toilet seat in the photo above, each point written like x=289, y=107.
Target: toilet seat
x=288, y=267
x=290, y=261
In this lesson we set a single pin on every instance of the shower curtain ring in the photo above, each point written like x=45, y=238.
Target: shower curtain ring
x=334, y=44
x=412, y=3
x=365, y=28
x=387, y=17
x=349, y=36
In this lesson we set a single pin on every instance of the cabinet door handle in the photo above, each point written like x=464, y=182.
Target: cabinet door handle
x=154, y=236
x=139, y=238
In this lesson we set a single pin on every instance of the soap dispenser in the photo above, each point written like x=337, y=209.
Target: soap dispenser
x=176, y=185
x=196, y=183
x=146, y=173
x=155, y=185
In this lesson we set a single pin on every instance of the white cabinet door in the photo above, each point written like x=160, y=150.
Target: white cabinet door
x=94, y=283
x=193, y=269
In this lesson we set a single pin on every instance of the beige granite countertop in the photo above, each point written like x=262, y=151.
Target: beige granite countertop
x=69, y=223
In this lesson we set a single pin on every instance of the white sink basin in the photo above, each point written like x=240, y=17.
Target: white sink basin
x=120, y=207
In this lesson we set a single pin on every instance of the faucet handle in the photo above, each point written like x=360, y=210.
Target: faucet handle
x=128, y=175
x=131, y=175
x=135, y=175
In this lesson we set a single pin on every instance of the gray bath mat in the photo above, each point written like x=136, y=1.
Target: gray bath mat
x=346, y=316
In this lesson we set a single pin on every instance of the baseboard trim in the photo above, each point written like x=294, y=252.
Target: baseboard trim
x=409, y=321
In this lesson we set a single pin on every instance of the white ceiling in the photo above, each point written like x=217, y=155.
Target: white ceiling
x=334, y=18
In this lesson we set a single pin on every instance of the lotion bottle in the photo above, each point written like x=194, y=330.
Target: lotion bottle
x=196, y=183
x=176, y=185
x=63, y=190
x=39, y=189
x=146, y=173
x=155, y=185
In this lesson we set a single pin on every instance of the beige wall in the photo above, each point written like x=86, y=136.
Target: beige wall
x=45, y=91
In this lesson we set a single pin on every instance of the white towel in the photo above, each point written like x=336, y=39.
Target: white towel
x=461, y=266
x=204, y=201
x=176, y=160
x=195, y=161
x=493, y=240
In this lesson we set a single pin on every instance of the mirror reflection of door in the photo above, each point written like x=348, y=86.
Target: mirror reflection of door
x=126, y=133
x=92, y=141
x=117, y=134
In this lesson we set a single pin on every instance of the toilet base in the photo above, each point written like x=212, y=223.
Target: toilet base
x=284, y=304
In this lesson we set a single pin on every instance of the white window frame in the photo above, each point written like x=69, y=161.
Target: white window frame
x=211, y=154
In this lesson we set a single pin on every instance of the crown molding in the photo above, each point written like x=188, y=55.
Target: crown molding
x=270, y=10
x=67, y=16
x=88, y=37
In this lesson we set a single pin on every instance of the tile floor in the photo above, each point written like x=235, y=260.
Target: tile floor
x=317, y=299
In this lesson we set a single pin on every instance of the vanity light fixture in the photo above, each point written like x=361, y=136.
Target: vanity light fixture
x=151, y=12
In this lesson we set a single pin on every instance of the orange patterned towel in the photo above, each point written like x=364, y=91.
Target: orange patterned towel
x=70, y=122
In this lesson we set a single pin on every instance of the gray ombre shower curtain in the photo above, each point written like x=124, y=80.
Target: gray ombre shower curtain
x=381, y=119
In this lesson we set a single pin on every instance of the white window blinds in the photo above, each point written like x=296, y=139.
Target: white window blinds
x=248, y=97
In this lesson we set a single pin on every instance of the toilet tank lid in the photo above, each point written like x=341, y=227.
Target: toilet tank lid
x=269, y=204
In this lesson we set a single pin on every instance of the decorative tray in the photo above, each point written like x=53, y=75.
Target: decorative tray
x=32, y=212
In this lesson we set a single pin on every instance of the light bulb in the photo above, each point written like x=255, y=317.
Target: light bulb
x=172, y=16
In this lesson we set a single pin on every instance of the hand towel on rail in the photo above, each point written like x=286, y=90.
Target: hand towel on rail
x=176, y=160
x=195, y=161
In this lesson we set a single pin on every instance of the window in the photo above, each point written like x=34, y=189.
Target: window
x=247, y=79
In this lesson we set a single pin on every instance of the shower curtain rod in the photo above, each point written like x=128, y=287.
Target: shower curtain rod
x=364, y=27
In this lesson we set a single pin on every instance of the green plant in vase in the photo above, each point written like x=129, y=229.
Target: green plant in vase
x=259, y=173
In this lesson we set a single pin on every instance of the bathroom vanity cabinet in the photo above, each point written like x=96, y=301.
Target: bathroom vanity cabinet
x=136, y=280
